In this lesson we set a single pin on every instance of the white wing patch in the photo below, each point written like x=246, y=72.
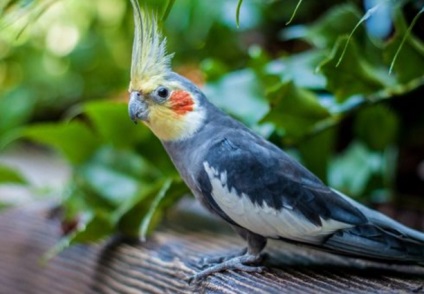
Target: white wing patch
x=262, y=219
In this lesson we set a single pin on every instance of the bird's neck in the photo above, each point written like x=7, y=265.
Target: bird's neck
x=186, y=149
x=170, y=127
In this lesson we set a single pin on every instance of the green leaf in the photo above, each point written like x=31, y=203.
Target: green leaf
x=130, y=212
x=316, y=152
x=111, y=120
x=109, y=183
x=300, y=68
x=11, y=175
x=338, y=21
x=366, y=16
x=141, y=214
x=96, y=228
x=81, y=197
x=240, y=94
x=377, y=126
x=74, y=140
x=351, y=171
x=353, y=76
x=153, y=209
x=93, y=228
x=161, y=203
x=294, y=110
x=213, y=68
x=116, y=175
x=404, y=52
x=14, y=113
x=153, y=152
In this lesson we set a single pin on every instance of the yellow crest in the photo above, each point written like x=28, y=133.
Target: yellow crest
x=149, y=58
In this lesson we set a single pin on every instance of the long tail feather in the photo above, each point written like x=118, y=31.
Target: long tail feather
x=374, y=242
x=381, y=238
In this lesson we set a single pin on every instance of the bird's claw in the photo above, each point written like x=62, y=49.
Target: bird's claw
x=208, y=261
x=246, y=263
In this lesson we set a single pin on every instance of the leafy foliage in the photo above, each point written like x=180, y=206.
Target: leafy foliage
x=324, y=91
x=115, y=188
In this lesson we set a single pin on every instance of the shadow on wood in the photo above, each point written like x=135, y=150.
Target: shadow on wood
x=173, y=253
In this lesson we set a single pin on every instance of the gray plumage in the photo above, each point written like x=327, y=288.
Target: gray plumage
x=270, y=179
x=246, y=180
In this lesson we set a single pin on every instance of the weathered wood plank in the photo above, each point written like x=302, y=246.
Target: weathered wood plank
x=173, y=253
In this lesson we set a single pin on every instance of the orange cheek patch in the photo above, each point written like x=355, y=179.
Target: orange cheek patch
x=181, y=102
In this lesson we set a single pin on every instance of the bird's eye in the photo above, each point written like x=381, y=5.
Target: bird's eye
x=162, y=92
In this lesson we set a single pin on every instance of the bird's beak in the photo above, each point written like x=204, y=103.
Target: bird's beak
x=137, y=107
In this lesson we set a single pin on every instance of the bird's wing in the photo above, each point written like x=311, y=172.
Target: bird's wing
x=260, y=188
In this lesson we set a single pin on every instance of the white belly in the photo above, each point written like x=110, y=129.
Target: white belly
x=262, y=219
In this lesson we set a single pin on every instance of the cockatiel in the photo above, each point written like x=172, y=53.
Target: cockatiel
x=247, y=181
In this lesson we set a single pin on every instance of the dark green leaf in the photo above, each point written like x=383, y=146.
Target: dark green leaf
x=96, y=228
x=316, y=152
x=82, y=197
x=405, y=52
x=153, y=207
x=161, y=203
x=354, y=75
x=139, y=216
x=74, y=140
x=153, y=152
x=130, y=214
x=338, y=21
x=111, y=120
x=366, y=16
x=294, y=110
x=377, y=126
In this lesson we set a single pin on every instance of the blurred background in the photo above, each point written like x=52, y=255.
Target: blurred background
x=337, y=84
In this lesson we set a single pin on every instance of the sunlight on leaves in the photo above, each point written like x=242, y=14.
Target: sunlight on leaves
x=10, y=175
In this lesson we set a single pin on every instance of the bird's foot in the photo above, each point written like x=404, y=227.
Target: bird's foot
x=247, y=263
x=209, y=261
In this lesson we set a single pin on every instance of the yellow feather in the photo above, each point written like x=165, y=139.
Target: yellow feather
x=150, y=62
x=168, y=125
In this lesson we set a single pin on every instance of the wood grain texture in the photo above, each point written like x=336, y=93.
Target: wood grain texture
x=173, y=253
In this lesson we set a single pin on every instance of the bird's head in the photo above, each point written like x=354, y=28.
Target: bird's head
x=170, y=105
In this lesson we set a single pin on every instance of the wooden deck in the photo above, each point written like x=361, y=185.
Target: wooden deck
x=161, y=264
